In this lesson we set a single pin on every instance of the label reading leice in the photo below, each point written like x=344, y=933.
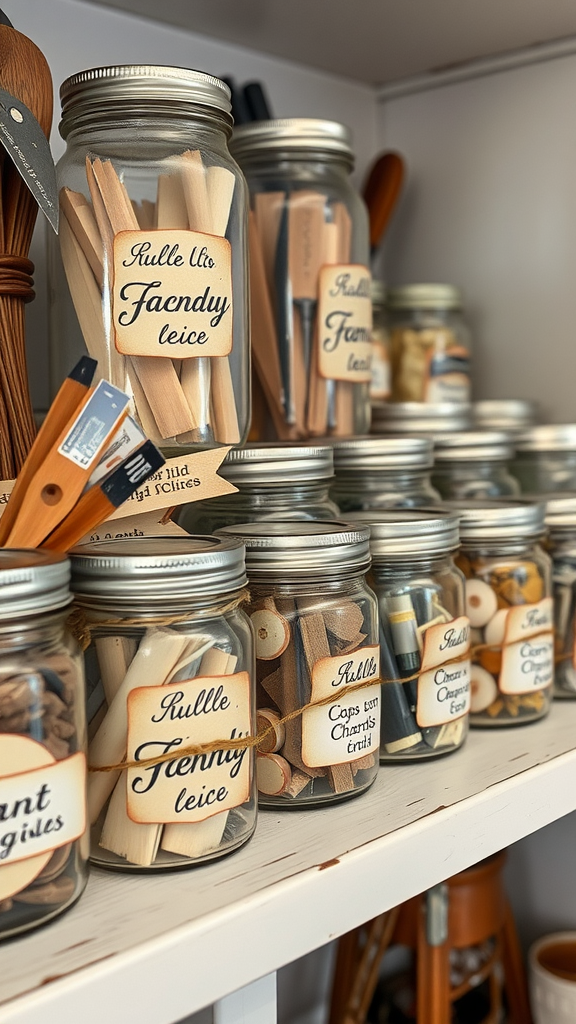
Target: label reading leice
x=166, y=719
x=528, y=649
x=345, y=323
x=172, y=294
x=349, y=727
x=444, y=686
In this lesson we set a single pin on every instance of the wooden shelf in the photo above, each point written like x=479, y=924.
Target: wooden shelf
x=161, y=946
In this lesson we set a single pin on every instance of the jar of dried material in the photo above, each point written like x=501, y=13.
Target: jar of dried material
x=383, y=472
x=309, y=277
x=511, y=415
x=561, y=545
x=169, y=668
x=380, y=384
x=424, y=632
x=150, y=272
x=430, y=344
x=474, y=464
x=43, y=838
x=509, y=604
x=546, y=458
x=421, y=418
x=274, y=482
x=317, y=660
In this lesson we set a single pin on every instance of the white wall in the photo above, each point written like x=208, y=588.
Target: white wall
x=76, y=35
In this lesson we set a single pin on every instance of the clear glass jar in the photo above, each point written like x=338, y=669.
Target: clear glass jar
x=315, y=621
x=422, y=626
x=380, y=384
x=150, y=272
x=546, y=458
x=561, y=546
x=43, y=838
x=169, y=646
x=474, y=464
x=421, y=418
x=511, y=415
x=430, y=344
x=509, y=604
x=273, y=483
x=386, y=472
x=310, y=282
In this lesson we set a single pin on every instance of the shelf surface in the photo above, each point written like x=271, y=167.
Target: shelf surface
x=160, y=946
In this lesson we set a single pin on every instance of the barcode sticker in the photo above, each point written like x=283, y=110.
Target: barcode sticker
x=127, y=438
x=93, y=424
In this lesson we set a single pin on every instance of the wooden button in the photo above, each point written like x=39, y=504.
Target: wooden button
x=272, y=633
x=274, y=741
x=481, y=602
x=273, y=774
x=483, y=689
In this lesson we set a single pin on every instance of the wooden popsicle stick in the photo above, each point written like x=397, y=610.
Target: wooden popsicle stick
x=85, y=295
x=300, y=378
x=196, y=192
x=142, y=405
x=145, y=214
x=80, y=216
x=137, y=843
x=317, y=421
x=267, y=213
x=114, y=655
x=263, y=333
x=220, y=183
x=102, y=219
x=223, y=402
x=171, y=209
x=341, y=778
x=345, y=390
x=164, y=395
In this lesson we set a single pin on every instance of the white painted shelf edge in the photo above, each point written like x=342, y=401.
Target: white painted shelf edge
x=155, y=948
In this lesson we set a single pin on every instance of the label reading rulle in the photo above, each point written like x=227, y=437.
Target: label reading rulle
x=444, y=685
x=528, y=650
x=172, y=294
x=166, y=719
x=349, y=727
x=345, y=323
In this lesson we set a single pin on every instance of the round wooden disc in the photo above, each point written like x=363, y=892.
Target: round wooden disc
x=272, y=634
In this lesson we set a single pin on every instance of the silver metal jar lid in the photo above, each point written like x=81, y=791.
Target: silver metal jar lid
x=425, y=296
x=97, y=90
x=420, y=417
x=508, y=414
x=485, y=519
x=382, y=453
x=275, y=464
x=473, y=444
x=139, y=569
x=303, y=548
x=399, y=533
x=554, y=437
x=32, y=581
x=307, y=135
x=560, y=509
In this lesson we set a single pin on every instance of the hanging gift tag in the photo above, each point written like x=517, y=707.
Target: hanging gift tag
x=444, y=686
x=345, y=323
x=172, y=294
x=528, y=650
x=348, y=728
x=166, y=719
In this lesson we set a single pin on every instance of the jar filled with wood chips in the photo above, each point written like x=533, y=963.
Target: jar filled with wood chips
x=43, y=839
x=169, y=668
x=383, y=472
x=317, y=660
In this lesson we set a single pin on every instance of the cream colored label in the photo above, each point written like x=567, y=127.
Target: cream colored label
x=345, y=323
x=172, y=294
x=349, y=727
x=444, y=686
x=42, y=807
x=528, y=650
x=148, y=525
x=166, y=719
x=380, y=382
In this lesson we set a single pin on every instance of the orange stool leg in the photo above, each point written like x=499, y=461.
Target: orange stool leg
x=433, y=965
x=514, y=975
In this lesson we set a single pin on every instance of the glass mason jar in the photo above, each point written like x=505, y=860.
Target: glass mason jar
x=43, y=838
x=474, y=464
x=509, y=604
x=511, y=415
x=315, y=621
x=150, y=272
x=380, y=384
x=430, y=344
x=273, y=483
x=383, y=472
x=422, y=627
x=546, y=458
x=310, y=282
x=561, y=546
x=421, y=418
x=170, y=648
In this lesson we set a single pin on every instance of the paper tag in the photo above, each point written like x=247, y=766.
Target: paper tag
x=444, y=689
x=147, y=525
x=448, y=378
x=162, y=719
x=172, y=294
x=345, y=323
x=381, y=379
x=348, y=728
x=528, y=650
x=93, y=424
x=42, y=807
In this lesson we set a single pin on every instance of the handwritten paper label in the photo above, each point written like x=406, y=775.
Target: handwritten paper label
x=148, y=525
x=349, y=727
x=42, y=807
x=172, y=294
x=444, y=689
x=448, y=374
x=345, y=323
x=528, y=650
x=164, y=719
